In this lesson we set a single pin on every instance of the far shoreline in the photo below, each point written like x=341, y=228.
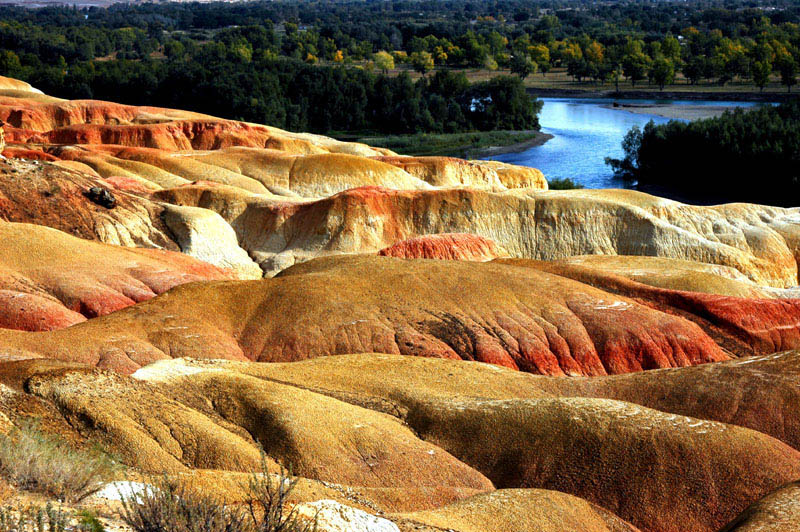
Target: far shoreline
x=633, y=94
x=671, y=111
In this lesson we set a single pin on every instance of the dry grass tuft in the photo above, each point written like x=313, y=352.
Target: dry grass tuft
x=35, y=461
x=33, y=519
x=267, y=503
x=168, y=506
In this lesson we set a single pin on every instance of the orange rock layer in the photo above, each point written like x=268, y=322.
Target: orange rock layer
x=450, y=246
x=51, y=280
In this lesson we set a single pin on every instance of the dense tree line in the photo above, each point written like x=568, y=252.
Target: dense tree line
x=744, y=155
x=235, y=82
x=257, y=60
x=702, y=39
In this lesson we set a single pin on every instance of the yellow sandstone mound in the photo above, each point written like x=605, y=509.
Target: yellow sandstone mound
x=167, y=148
x=518, y=510
x=203, y=234
x=52, y=194
x=513, y=176
x=259, y=171
x=392, y=427
x=36, y=120
x=17, y=85
x=678, y=274
x=299, y=198
x=285, y=174
x=633, y=461
x=444, y=400
x=777, y=512
x=171, y=147
x=538, y=317
x=450, y=172
x=760, y=393
x=219, y=419
x=438, y=344
x=44, y=193
x=446, y=246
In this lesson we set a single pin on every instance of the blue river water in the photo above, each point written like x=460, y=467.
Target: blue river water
x=585, y=132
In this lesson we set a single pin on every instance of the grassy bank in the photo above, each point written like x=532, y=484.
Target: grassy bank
x=464, y=145
x=557, y=83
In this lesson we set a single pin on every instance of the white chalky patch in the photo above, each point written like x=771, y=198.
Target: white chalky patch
x=332, y=516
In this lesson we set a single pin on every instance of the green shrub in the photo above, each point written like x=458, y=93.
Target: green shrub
x=88, y=522
x=33, y=460
x=562, y=183
x=717, y=158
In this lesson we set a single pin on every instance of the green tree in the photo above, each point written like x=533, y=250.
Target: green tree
x=760, y=71
x=497, y=43
x=502, y=103
x=671, y=48
x=614, y=74
x=522, y=65
x=474, y=52
x=173, y=48
x=635, y=66
x=695, y=68
x=10, y=64
x=384, y=61
x=787, y=66
x=594, y=52
x=422, y=62
x=663, y=72
x=739, y=142
x=628, y=166
x=540, y=54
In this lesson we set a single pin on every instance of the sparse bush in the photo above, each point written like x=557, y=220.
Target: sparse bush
x=267, y=503
x=167, y=505
x=33, y=460
x=562, y=183
x=33, y=519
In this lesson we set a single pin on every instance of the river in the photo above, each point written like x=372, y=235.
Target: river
x=585, y=132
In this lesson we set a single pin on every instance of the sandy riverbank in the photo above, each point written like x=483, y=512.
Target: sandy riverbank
x=623, y=95
x=684, y=112
x=538, y=140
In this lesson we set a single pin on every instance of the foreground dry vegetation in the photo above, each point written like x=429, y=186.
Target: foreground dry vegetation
x=428, y=343
x=38, y=462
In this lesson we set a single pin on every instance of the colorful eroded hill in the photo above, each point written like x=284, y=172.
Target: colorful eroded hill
x=442, y=343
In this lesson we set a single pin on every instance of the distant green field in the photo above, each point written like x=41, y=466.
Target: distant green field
x=557, y=79
x=465, y=145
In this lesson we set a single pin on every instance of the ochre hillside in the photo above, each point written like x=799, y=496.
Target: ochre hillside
x=447, y=424
x=518, y=317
